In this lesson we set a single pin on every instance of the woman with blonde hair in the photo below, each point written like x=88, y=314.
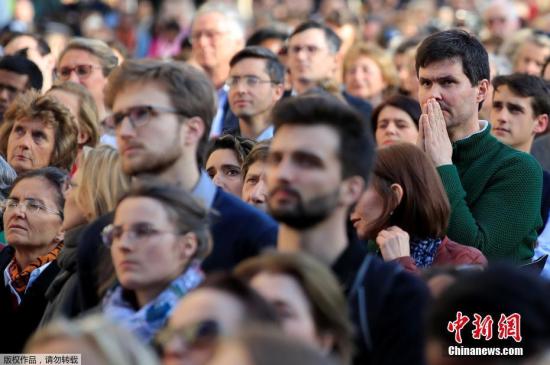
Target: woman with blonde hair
x=369, y=73
x=82, y=105
x=91, y=192
x=96, y=340
x=310, y=302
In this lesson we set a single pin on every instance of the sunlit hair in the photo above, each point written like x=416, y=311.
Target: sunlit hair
x=97, y=48
x=378, y=55
x=326, y=299
x=111, y=344
x=100, y=181
x=88, y=116
x=33, y=106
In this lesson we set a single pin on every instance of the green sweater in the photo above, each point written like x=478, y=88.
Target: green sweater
x=495, y=194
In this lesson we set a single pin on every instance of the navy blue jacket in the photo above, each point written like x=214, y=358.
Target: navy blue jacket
x=387, y=305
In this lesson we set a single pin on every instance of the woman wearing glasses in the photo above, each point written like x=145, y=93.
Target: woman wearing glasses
x=87, y=62
x=158, y=238
x=86, y=199
x=33, y=215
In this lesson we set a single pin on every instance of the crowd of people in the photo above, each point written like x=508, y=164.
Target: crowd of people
x=298, y=182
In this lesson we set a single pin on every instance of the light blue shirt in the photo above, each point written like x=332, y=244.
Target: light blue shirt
x=205, y=190
x=217, y=122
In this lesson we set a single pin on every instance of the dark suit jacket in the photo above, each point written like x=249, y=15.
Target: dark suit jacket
x=20, y=321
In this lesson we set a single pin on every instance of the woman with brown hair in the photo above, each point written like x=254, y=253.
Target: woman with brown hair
x=369, y=73
x=406, y=211
x=308, y=298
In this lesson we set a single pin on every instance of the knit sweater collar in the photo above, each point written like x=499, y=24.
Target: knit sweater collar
x=475, y=145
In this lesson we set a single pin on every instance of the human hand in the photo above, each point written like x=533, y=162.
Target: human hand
x=394, y=243
x=433, y=137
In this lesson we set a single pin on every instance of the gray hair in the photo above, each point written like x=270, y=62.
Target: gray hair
x=98, y=48
x=7, y=177
x=235, y=23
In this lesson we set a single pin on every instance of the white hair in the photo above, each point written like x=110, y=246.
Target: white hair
x=233, y=19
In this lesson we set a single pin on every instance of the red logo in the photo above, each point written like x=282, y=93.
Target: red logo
x=508, y=327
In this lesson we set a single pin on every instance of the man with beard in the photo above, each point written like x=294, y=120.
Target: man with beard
x=317, y=167
x=161, y=116
x=17, y=75
x=494, y=190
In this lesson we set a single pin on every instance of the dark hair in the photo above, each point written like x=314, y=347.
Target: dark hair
x=264, y=34
x=54, y=176
x=334, y=42
x=240, y=145
x=42, y=45
x=458, y=44
x=21, y=65
x=405, y=103
x=256, y=308
x=498, y=290
x=356, y=150
x=258, y=153
x=190, y=91
x=184, y=212
x=546, y=63
x=527, y=86
x=273, y=67
x=424, y=209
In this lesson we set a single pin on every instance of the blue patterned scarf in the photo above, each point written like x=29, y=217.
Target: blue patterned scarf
x=149, y=319
x=423, y=251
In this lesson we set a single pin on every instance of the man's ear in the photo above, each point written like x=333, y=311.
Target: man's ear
x=351, y=190
x=482, y=90
x=278, y=92
x=541, y=123
x=195, y=130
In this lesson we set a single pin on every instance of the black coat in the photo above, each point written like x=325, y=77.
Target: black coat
x=387, y=305
x=20, y=322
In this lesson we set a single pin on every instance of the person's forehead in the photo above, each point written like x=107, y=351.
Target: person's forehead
x=210, y=21
x=249, y=66
x=317, y=139
x=504, y=92
x=36, y=187
x=13, y=78
x=35, y=124
x=77, y=56
x=314, y=36
x=449, y=66
x=141, y=93
x=19, y=43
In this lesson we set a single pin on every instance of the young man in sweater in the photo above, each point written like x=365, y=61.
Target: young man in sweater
x=317, y=167
x=494, y=190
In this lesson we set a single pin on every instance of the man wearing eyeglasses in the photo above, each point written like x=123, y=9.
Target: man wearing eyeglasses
x=161, y=116
x=313, y=60
x=217, y=34
x=17, y=75
x=255, y=84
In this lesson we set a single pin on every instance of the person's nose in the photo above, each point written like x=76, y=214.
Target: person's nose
x=391, y=129
x=259, y=193
x=125, y=129
x=218, y=180
x=74, y=77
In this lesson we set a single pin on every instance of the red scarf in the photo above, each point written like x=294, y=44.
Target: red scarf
x=20, y=279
